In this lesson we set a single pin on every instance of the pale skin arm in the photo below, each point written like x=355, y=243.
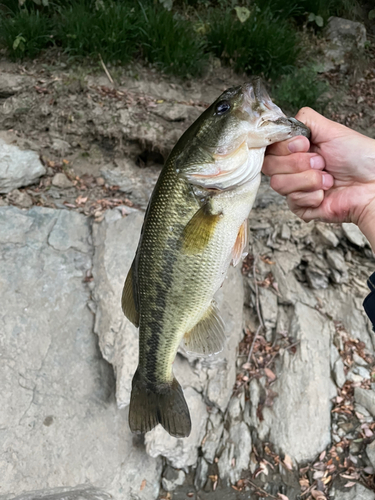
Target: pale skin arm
x=331, y=178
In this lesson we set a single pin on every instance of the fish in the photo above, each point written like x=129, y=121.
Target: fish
x=195, y=226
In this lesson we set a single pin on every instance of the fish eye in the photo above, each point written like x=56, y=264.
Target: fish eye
x=222, y=108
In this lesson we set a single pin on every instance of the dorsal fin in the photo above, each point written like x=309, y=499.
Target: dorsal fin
x=129, y=299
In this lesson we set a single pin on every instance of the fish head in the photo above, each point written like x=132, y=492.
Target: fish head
x=225, y=147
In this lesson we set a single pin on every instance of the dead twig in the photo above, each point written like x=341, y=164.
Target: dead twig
x=106, y=70
x=257, y=305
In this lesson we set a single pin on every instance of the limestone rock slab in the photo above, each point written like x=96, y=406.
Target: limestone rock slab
x=299, y=421
x=18, y=168
x=116, y=240
x=59, y=425
x=181, y=453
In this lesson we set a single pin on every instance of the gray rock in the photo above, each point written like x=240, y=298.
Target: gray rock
x=20, y=198
x=18, y=168
x=304, y=390
x=135, y=181
x=201, y=474
x=221, y=371
x=316, y=278
x=285, y=232
x=11, y=84
x=180, y=452
x=78, y=493
x=236, y=454
x=358, y=492
x=59, y=418
x=172, y=478
x=175, y=112
x=60, y=147
x=327, y=236
x=344, y=38
x=339, y=373
x=268, y=304
x=211, y=440
x=339, y=268
x=60, y=180
x=116, y=241
x=70, y=231
x=370, y=450
x=365, y=398
x=354, y=234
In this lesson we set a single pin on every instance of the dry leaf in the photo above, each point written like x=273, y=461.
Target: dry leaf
x=318, y=495
x=282, y=497
x=143, y=485
x=288, y=462
x=270, y=375
x=349, y=484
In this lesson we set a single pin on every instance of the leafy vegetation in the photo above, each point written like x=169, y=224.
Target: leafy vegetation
x=301, y=87
x=177, y=36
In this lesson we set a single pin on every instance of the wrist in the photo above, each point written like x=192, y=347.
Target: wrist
x=367, y=223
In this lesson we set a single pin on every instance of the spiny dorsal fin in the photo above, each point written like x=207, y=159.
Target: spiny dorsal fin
x=129, y=300
x=241, y=243
x=199, y=230
x=208, y=335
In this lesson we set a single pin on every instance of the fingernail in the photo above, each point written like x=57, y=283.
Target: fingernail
x=317, y=162
x=327, y=181
x=297, y=144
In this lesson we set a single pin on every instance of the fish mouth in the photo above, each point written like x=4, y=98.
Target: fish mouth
x=265, y=114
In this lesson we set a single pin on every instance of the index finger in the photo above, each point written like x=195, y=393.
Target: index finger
x=299, y=144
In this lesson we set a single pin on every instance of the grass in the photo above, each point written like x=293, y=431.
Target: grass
x=177, y=42
x=301, y=87
x=264, y=44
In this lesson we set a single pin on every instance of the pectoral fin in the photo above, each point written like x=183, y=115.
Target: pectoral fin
x=241, y=243
x=129, y=299
x=199, y=230
x=208, y=335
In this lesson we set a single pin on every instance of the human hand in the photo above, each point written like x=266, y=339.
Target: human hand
x=332, y=179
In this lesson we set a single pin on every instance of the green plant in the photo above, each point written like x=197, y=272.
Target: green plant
x=301, y=87
x=111, y=30
x=171, y=43
x=262, y=44
x=25, y=33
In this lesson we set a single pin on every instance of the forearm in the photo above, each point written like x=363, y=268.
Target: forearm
x=367, y=226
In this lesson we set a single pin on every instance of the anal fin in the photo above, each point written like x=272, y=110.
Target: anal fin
x=129, y=298
x=241, y=243
x=208, y=335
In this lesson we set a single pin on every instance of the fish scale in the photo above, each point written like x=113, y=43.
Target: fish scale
x=195, y=225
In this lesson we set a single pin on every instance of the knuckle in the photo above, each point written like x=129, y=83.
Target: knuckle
x=300, y=162
x=277, y=183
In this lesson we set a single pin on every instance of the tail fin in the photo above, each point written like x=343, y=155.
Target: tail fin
x=165, y=404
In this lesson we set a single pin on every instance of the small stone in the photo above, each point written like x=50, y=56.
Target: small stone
x=172, y=478
x=336, y=260
x=354, y=234
x=60, y=180
x=370, y=450
x=60, y=147
x=362, y=372
x=18, y=168
x=100, y=181
x=358, y=360
x=285, y=232
x=365, y=398
x=328, y=237
x=20, y=199
x=316, y=278
x=353, y=377
x=338, y=372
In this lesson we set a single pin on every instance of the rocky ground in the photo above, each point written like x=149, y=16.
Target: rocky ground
x=285, y=412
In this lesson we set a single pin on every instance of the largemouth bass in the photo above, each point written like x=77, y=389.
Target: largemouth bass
x=195, y=226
